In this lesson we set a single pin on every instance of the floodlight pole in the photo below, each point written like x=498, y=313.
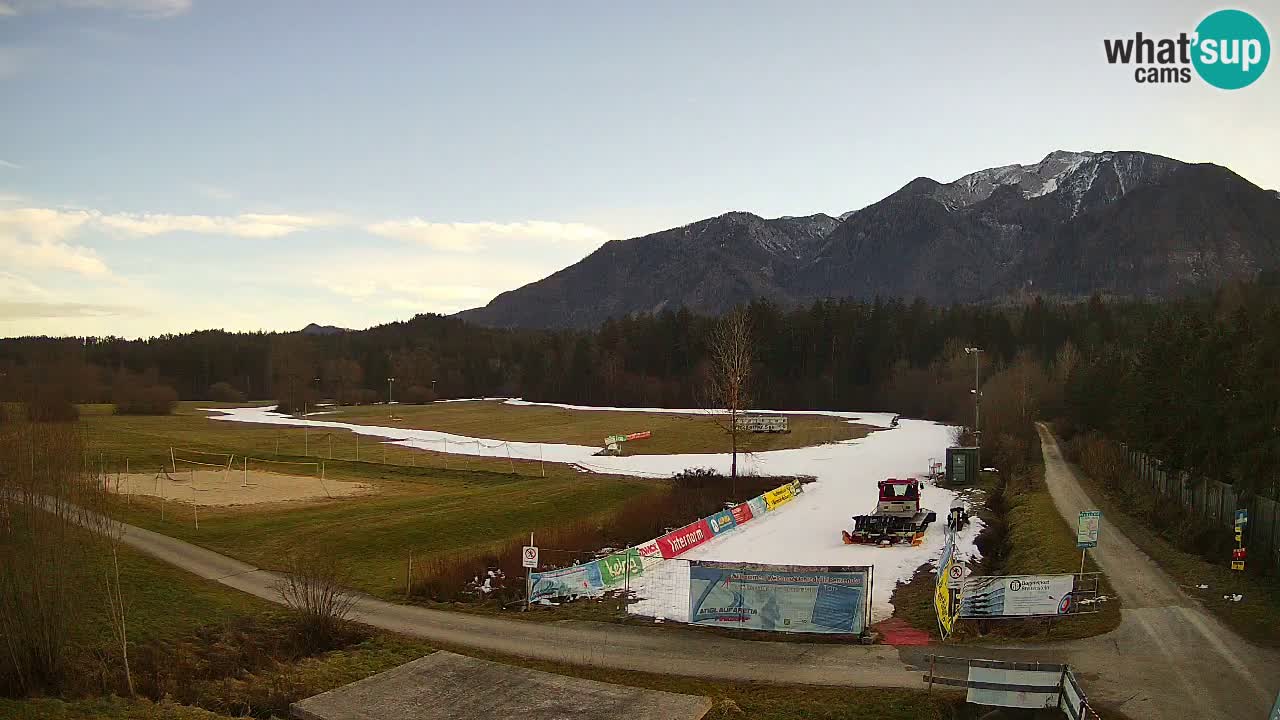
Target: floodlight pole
x=977, y=403
x=389, y=381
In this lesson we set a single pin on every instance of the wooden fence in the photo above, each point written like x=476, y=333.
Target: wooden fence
x=1212, y=501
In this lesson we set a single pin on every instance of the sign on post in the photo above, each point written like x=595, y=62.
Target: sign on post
x=1238, y=553
x=948, y=587
x=529, y=556
x=1087, y=529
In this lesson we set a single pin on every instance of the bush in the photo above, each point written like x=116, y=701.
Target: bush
x=137, y=399
x=314, y=589
x=51, y=409
x=225, y=392
x=418, y=395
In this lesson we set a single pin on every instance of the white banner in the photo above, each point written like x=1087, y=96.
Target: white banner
x=1016, y=596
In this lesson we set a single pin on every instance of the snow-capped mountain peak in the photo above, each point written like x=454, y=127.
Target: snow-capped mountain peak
x=1071, y=173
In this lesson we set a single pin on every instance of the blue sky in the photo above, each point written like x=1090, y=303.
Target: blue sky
x=167, y=165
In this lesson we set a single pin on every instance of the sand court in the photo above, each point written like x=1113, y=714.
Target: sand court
x=207, y=487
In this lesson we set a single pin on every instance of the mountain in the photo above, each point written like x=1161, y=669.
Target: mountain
x=1075, y=223
x=314, y=329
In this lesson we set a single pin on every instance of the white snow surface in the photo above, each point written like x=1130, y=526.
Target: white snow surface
x=805, y=531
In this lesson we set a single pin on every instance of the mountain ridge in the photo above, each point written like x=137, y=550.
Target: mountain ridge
x=1123, y=223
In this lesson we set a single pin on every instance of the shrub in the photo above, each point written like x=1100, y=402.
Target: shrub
x=225, y=392
x=52, y=409
x=138, y=399
x=314, y=589
x=418, y=395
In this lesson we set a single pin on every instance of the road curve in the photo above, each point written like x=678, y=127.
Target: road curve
x=1169, y=658
x=673, y=651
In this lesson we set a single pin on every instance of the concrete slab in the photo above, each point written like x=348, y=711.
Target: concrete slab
x=445, y=686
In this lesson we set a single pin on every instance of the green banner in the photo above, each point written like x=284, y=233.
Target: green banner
x=613, y=568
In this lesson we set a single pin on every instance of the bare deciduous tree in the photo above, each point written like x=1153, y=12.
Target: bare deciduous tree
x=728, y=377
x=314, y=589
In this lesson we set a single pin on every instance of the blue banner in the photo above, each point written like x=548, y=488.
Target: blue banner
x=575, y=581
x=783, y=598
x=721, y=522
x=758, y=506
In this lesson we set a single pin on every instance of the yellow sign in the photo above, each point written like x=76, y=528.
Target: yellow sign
x=778, y=496
x=1237, y=565
x=943, y=598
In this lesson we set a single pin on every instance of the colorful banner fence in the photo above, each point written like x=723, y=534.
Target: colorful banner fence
x=611, y=572
x=780, y=598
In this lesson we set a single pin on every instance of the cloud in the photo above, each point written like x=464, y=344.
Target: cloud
x=155, y=9
x=24, y=310
x=476, y=236
x=246, y=225
x=13, y=166
x=36, y=238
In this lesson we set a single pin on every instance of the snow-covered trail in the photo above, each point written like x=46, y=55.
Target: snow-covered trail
x=806, y=531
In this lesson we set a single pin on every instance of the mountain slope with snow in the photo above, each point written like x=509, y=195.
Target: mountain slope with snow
x=1072, y=224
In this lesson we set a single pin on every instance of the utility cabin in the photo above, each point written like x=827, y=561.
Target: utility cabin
x=762, y=423
x=962, y=465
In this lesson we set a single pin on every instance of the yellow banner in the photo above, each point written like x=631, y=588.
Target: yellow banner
x=946, y=602
x=778, y=496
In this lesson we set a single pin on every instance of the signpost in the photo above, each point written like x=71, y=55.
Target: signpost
x=948, y=586
x=1087, y=529
x=529, y=559
x=1238, y=553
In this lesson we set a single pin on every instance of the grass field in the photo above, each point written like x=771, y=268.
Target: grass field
x=420, y=508
x=672, y=433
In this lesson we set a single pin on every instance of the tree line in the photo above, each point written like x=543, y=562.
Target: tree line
x=1192, y=381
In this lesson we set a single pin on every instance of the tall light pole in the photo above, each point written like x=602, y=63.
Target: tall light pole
x=977, y=402
x=389, y=381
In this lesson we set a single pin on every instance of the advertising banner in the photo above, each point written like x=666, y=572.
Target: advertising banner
x=649, y=549
x=566, y=582
x=948, y=587
x=758, y=506
x=784, y=598
x=1087, y=529
x=721, y=522
x=742, y=513
x=1017, y=596
x=614, y=568
x=686, y=538
x=778, y=496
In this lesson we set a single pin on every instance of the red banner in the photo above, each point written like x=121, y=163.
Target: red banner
x=685, y=539
x=650, y=549
x=640, y=435
x=741, y=513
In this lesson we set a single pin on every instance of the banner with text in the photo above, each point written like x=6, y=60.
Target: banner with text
x=782, y=598
x=1016, y=596
x=576, y=581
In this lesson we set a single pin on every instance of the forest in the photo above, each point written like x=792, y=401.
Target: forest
x=1194, y=381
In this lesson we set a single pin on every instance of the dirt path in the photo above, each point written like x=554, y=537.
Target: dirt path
x=672, y=651
x=1169, y=658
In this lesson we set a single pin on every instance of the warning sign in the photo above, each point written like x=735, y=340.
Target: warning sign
x=529, y=556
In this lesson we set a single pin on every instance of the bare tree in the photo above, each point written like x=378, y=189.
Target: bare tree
x=314, y=589
x=728, y=377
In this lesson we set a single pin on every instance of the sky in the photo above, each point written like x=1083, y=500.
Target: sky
x=173, y=165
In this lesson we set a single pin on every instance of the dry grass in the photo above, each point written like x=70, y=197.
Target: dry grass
x=672, y=433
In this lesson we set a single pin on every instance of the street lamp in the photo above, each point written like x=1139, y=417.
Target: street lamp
x=389, y=381
x=977, y=402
